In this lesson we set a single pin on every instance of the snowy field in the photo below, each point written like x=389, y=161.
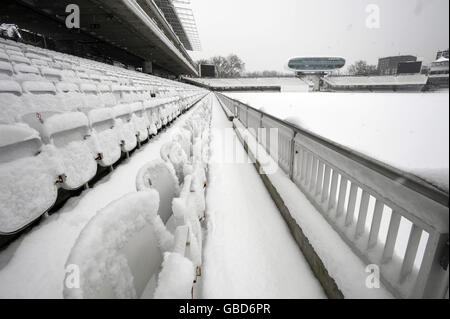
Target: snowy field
x=409, y=131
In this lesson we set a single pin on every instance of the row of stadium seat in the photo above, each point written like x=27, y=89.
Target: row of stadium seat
x=52, y=150
x=162, y=217
x=17, y=99
x=54, y=133
x=49, y=62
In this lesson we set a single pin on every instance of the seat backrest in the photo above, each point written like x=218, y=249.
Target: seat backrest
x=176, y=278
x=27, y=183
x=106, y=95
x=41, y=96
x=91, y=95
x=117, y=252
x=14, y=52
x=101, y=119
x=63, y=128
x=11, y=104
x=36, y=121
x=17, y=59
x=24, y=72
x=173, y=152
x=159, y=176
x=51, y=74
x=123, y=112
x=84, y=76
x=69, y=75
x=183, y=137
x=72, y=98
x=18, y=141
x=4, y=57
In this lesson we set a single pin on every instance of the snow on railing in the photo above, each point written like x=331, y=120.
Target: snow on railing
x=355, y=194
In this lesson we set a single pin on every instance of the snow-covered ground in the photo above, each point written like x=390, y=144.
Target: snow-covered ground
x=33, y=266
x=249, y=251
x=409, y=131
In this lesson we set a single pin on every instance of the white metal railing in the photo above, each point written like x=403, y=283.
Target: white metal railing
x=355, y=194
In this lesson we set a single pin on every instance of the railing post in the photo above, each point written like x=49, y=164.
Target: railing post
x=291, y=160
x=432, y=280
x=246, y=117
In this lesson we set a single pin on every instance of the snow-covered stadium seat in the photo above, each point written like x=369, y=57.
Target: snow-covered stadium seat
x=95, y=77
x=33, y=54
x=17, y=59
x=164, y=115
x=39, y=63
x=27, y=178
x=51, y=74
x=118, y=254
x=11, y=104
x=25, y=72
x=69, y=75
x=142, y=94
x=178, y=271
x=122, y=93
x=140, y=120
x=69, y=134
x=105, y=136
x=14, y=47
x=41, y=96
x=71, y=96
x=6, y=70
x=183, y=137
x=11, y=51
x=83, y=75
x=91, y=95
x=187, y=211
x=153, y=120
x=4, y=57
x=160, y=176
x=126, y=127
x=107, y=97
x=173, y=154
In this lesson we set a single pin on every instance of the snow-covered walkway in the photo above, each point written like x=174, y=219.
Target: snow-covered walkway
x=249, y=251
x=33, y=266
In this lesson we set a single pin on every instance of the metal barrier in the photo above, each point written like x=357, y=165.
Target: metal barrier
x=346, y=187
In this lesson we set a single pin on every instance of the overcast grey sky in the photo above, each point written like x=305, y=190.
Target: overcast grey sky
x=265, y=33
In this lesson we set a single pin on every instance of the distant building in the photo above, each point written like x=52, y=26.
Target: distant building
x=377, y=83
x=443, y=53
x=439, y=71
x=390, y=65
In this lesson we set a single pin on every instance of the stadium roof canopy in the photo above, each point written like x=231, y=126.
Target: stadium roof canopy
x=180, y=16
x=138, y=28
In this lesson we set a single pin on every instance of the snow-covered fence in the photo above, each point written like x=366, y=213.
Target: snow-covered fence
x=358, y=195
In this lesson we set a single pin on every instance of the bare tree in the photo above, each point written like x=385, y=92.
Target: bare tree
x=362, y=68
x=227, y=67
